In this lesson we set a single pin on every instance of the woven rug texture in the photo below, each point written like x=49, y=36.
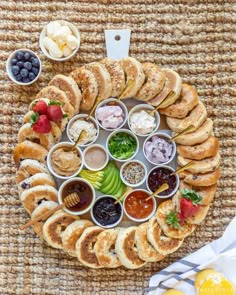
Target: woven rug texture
x=195, y=38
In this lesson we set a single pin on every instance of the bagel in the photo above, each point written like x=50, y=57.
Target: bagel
x=162, y=244
x=26, y=132
x=88, y=86
x=196, y=118
x=29, y=150
x=28, y=168
x=55, y=94
x=187, y=100
x=117, y=76
x=84, y=247
x=178, y=233
x=126, y=248
x=198, y=136
x=145, y=250
x=104, y=248
x=170, y=91
x=32, y=197
x=36, y=179
x=72, y=233
x=206, y=179
x=134, y=76
x=201, y=166
x=103, y=79
x=208, y=148
x=42, y=208
x=55, y=226
x=154, y=82
x=70, y=87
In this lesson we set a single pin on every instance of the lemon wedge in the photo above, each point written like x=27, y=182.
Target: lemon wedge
x=173, y=292
x=202, y=276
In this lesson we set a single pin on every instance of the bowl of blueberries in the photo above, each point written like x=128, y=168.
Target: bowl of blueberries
x=23, y=67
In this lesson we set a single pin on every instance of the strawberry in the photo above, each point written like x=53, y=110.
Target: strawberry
x=181, y=219
x=187, y=208
x=54, y=113
x=40, y=107
x=42, y=124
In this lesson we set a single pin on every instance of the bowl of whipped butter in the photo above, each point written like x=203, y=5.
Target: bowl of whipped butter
x=59, y=40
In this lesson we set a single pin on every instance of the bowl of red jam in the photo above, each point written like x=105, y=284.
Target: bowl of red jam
x=106, y=213
x=137, y=207
x=162, y=174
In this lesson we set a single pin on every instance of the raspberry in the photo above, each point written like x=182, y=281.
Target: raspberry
x=40, y=107
x=54, y=113
x=42, y=125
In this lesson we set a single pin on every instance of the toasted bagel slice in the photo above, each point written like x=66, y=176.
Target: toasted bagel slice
x=206, y=179
x=42, y=208
x=104, y=248
x=72, y=233
x=170, y=91
x=54, y=227
x=134, y=76
x=32, y=197
x=187, y=100
x=162, y=244
x=196, y=118
x=201, y=166
x=70, y=87
x=88, y=86
x=84, y=247
x=55, y=94
x=28, y=168
x=178, y=233
x=146, y=252
x=26, y=132
x=117, y=76
x=154, y=82
x=29, y=150
x=36, y=179
x=208, y=148
x=103, y=79
x=198, y=136
x=126, y=248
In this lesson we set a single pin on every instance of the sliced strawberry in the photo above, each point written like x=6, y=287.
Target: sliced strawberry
x=181, y=219
x=54, y=113
x=187, y=208
x=42, y=125
x=40, y=107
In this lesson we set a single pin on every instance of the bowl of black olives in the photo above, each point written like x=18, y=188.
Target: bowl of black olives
x=23, y=67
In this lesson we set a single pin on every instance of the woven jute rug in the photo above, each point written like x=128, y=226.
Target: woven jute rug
x=195, y=38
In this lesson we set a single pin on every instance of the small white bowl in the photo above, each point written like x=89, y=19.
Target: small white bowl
x=72, y=180
x=127, y=163
x=109, y=225
x=57, y=146
x=95, y=146
x=161, y=134
x=144, y=107
x=8, y=66
x=143, y=219
x=77, y=117
x=122, y=131
x=177, y=181
x=119, y=103
x=75, y=33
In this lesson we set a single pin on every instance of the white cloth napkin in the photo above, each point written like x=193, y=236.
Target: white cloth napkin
x=220, y=255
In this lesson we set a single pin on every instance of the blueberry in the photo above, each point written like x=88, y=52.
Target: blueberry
x=32, y=76
x=24, y=73
x=26, y=80
x=14, y=61
x=28, y=65
x=18, y=78
x=27, y=56
x=15, y=70
x=35, y=71
x=20, y=64
x=35, y=63
x=20, y=55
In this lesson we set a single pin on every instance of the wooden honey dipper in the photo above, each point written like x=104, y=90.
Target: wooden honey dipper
x=70, y=201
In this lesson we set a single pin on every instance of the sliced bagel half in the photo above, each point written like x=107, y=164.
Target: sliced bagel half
x=34, y=196
x=146, y=252
x=105, y=248
x=163, y=244
x=55, y=226
x=84, y=247
x=126, y=248
x=206, y=179
x=72, y=234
